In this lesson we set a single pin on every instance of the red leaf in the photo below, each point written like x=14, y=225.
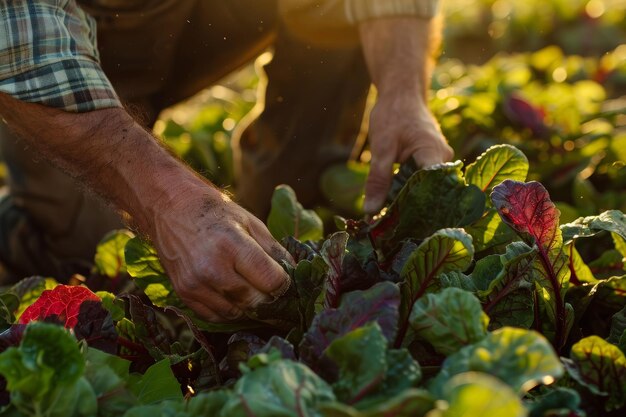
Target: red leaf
x=527, y=208
x=63, y=302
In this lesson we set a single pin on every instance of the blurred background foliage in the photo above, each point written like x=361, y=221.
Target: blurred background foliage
x=548, y=76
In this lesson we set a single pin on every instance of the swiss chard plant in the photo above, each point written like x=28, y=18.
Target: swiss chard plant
x=464, y=296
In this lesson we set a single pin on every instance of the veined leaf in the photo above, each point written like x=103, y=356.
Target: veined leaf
x=45, y=374
x=109, y=259
x=449, y=320
x=489, y=231
x=527, y=209
x=288, y=218
x=333, y=251
x=521, y=358
x=28, y=291
x=512, y=286
x=361, y=358
x=143, y=265
x=613, y=221
x=432, y=199
x=496, y=164
x=579, y=270
x=62, y=303
x=368, y=373
x=358, y=308
x=558, y=401
x=446, y=250
x=409, y=403
x=475, y=394
x=601, y=367
x=277, y=388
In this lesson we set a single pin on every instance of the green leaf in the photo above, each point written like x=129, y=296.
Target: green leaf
x=108, y=376
x=343, y=185
x=297, y=307
x=490, y=231
x=496, y=164
x=557, y=402
x=109, y=259
x=9, y=303
x=521, y=358
x=361, y=358
x=446, y=250
x=449, y=320
x=409, y=403
x=509, y=295
x=579, y=270
x=432, y=199
x=618, y=327
x=114, y=305
x=516, y=310
x=288, y=218
x=28, y=291
x=143, y=265
x=474, y=394
x=620, y=245
x=613, y=221
x=156, y=385
x=45, y=374
x=278, y=388
x=601, y=367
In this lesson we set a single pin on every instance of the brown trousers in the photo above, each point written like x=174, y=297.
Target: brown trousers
x=314, y=104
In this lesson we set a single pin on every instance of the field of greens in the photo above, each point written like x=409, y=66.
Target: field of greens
x=490, y=286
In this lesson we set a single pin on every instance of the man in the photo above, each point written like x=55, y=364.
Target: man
x=57, y=96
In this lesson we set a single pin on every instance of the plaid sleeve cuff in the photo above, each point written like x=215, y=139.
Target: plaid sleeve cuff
x=76, y=85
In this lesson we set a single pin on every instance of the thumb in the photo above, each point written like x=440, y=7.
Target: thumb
x=378, y=182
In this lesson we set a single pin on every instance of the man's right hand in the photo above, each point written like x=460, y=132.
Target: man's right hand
x=221, y=259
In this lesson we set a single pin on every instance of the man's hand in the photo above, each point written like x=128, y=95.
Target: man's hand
x=401, y=125
x=400, y=129
x=220, y=258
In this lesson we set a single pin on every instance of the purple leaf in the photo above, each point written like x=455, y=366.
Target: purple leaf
x=378, y=304
x=527, y=209
x=333, y=253
x=95, y=325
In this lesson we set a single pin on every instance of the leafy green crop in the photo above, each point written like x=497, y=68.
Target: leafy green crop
x=485, y=308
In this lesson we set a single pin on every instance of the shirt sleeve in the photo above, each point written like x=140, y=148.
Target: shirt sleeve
x=334, y=22
x=49, y=56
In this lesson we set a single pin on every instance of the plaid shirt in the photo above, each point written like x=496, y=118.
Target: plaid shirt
x=48, y=55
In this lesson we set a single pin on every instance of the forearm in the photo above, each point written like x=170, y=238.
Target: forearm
x=107, y=151
x=398, y=52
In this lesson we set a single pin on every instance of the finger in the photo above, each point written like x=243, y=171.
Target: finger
x=265, y=239
x=378, y=182
x=437, y=153
x=205, y=312
x=260, y=270
x=216, y=302
x=238, y=291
